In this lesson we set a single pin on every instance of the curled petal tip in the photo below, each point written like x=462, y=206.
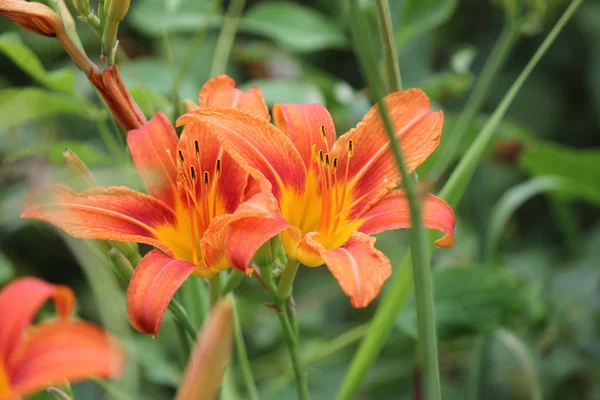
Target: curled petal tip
x=35, y=17
x=446, y=242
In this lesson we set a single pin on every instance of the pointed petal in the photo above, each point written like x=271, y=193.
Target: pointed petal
x=360, y=269
x=306, y=125
x=202, y=151
x=393, y=212
x=115, y=213
x=153, y=284
x=205, y=369
x=259, y=147
x=153, y=149
x=221, y=92
x=63, y=351
x=20, y=301
x=372, y=169
x=237, y=236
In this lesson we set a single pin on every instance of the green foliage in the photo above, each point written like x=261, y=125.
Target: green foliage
x=21, y=55
x=293, y=26
x=30, y=104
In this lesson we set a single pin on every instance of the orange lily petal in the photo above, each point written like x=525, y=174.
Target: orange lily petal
x=115, y=213
x=153, y=284
x=372, y=169
x=306, y=125
x=393, y=212
x=259, y=147
x=360, y=269
x=20, y=301
x=205, y=369
x=153, y=149
x=220, y=91
x=239, y=235
x=203, y=152
x=63, y=351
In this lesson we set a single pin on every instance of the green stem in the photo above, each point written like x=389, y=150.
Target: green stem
x=194, y=300
x=109, y=41
x=226, y=37
x=420, y=261
x=284, y=289
x=291, y=312
x=495, y=61
x=455, y=187
x=400, y=287
x=386, y=35
x=292, y=344
x=251, y=390
x=214, y=290
x=184, y=320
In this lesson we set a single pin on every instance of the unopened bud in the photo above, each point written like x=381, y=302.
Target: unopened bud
x=83, y=6
x=121, y=264
x=129, y=249
x=268, y=253
x=77, y=169
x=34, y=17
x=115, y=10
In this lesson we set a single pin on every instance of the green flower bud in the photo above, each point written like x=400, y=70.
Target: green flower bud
x=78, y=170
x=120, y=263
x=115, y=10
x=83, y=6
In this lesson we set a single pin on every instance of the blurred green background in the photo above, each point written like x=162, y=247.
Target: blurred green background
x=517, y=298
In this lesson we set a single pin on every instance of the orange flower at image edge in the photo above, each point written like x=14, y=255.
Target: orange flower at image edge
x=197, y=193
x=52, y=352
x=333, y=194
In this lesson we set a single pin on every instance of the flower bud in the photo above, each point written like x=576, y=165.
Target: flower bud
x=115, y=10
x=78, y=170
x=83, y=6
x=268, y=253
x=120, y=263
x=34, y=17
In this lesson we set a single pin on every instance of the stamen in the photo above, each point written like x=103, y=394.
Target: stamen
x=206, y=178
x=218, y=168
x=197, y=146
x=323, y=134
x=181, y=157
x=350, y=148
x=327, y=160
x=321, y=155
x=335, y=163
x=193, y=174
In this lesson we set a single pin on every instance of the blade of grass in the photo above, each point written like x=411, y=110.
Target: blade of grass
x=226, y=37
x=399, y=288
x=427, y=349
x=504, y=44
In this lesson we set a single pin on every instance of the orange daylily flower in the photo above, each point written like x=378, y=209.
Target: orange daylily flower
x=334, y=194
x=53, y=352
x=197, y=192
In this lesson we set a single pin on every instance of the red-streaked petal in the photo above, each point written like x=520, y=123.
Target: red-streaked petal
x=115, y=213
x=63, y=351
x=153, y=150
x=153, y=284
x=360, y=269
x=393, y=212
x=206, y=366
x=372, y=170
x=237, y=236
x=20, y=301
x=259, y=147
x=306, y=125
x=220, y=91
x=226, y=178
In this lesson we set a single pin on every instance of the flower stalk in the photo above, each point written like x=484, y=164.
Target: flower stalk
x=284, y=288
x=420, y=262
